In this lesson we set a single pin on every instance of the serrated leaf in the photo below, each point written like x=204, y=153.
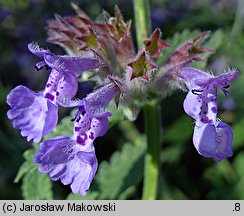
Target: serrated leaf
x=124, y=170
x=89, y=196
x=37, y=186
x=27, y=166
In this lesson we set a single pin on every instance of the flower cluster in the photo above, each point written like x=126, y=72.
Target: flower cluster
x=70, y=159
x=104, y=51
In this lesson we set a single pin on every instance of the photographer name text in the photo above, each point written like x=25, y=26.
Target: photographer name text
x=69, y=206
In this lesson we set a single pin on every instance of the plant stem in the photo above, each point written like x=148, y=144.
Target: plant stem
x=142, y=20
x=152, y=111
x=152, y=114
x=238, y=25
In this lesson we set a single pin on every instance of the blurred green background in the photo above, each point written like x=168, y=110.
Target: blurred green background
x=184, y=173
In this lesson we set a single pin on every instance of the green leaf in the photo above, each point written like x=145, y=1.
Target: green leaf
x=124, y=170
x=167, y=191
x=239, y=189
x=221, y=171
x=239, y=167
x=127, y=192
x=34, y=185
x=238, y=140
x=27, y=166
x=180, y=131
x=64, y=128
x=37, y=186
x=173, y=153
x=118, y=115
x=89, y=196
x=222, y=178
x=239, y=164
x=29, y=154
x=129, y=131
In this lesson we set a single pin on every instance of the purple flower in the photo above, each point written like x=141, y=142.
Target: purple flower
x=87, y=127
x=31, y=113
x=71, y=64
x=211, y=138
x=214, y=141
x=72, y=159
x=36, y=114
x=62, y=158
x=201, y=100
x=62, y=80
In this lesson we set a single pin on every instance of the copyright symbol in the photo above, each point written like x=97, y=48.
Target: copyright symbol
x=9, y=208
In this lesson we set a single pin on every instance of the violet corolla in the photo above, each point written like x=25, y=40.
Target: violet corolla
x=212, y=138
x=36, y=114
x=72, y=159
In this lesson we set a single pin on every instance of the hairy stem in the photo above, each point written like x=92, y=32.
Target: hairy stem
x=142, y=20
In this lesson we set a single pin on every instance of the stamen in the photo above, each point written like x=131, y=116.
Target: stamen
x=40, y=65
x=196, y=91
x=47, y=67
x=78, y=119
